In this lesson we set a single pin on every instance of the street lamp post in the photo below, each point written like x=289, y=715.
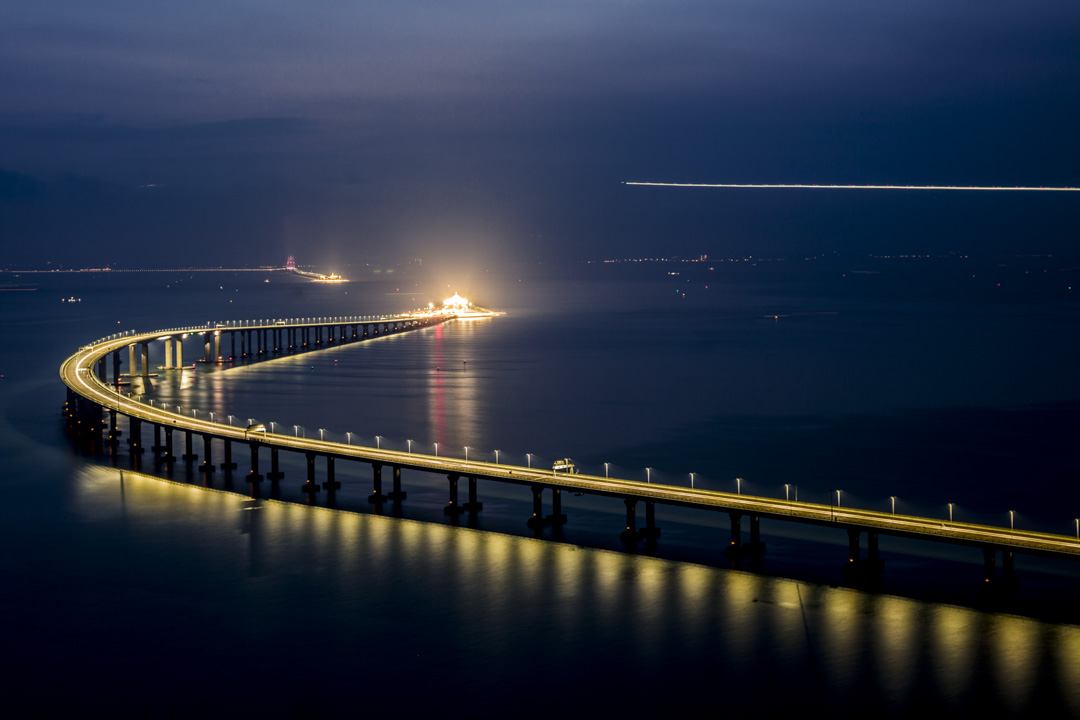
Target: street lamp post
x=378, y=442
x=528, y=459
x=230, y=419
x=648, y=475
x=466, y=453
x=787, y=491
x=436, y=449
x=272, y=423
x=348, y=438
x=410, y=445
x=950, y=512
x=1012, y=525
x=496, y=457
x=691, y=481
x=606, y=469
x=321, y=431
x=892, y=498
x=738, y=486
x=296, y=429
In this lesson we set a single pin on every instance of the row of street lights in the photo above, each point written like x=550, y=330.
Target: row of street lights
x=607, y=466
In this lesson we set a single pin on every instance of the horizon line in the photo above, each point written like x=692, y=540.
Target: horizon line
x=1000, y=188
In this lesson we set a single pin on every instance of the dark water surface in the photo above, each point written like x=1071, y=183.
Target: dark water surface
x=130, y=593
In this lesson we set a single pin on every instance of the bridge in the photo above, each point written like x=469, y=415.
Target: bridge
x=94, y=391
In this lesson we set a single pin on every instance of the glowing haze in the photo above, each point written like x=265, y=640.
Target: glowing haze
x=484, y=132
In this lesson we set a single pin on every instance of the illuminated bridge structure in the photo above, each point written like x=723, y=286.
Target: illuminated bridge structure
x=94, y=393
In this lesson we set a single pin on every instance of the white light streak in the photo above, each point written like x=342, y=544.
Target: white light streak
x=997, y=188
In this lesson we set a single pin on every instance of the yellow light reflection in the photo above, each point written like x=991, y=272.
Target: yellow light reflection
x=952, y=635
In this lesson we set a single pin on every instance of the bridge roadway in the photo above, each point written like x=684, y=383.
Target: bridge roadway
x=77, y=372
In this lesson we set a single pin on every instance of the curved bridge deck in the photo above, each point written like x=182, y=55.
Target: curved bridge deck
x=92, y=393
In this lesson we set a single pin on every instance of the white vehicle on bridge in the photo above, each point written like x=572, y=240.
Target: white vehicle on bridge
x=566, y=465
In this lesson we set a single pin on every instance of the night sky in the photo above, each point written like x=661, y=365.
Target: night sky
x=225, y=133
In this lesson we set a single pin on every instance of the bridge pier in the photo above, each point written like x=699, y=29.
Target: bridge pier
x=537, y=519
x=116, y=369
x=275, y=473
x=377, y=493
x=331, y=485
x=207, y=466
x=310, y=487
x=453, y=508
x=254, y=476
x=189, y=455
x=135, y=436
x=853, y=545
x=734, y=548
x=168, y=458
x=397, y=494
x=650, y=531
x=114, y=430
x=755, y=547
x=630, y=534
x=157, y=447
x=227, y=464
x=557, y=516
x=180, y=351
x=473, y=505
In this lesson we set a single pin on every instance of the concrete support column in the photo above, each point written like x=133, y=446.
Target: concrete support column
x=145, y=359
x=217, y=345
x=871, y=546
x=376, y=479
x=537, y=520
x=232, y=345
x=275, y=473
x=397, y=494
x=114, y=430
x=755, y=547
x=157, y=447
x=168, y=353
x=116, y=368
x=736, y=531
x=1007, y=566
x=650, y=531
x=135, y=436
x=853, y=545
x=168, y=458
x=310, y=487
x=189, y=455
x=453, y=508
x=207, y=466
x=254, y=475
x=557, y=516
x=227, y=464
x=180, y=351
x=473, y=504
x=133, y=365
x=630, y=534
x=989, y=564
x=331, y=484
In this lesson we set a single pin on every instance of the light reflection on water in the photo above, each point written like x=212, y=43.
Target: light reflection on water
x=493, y=597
